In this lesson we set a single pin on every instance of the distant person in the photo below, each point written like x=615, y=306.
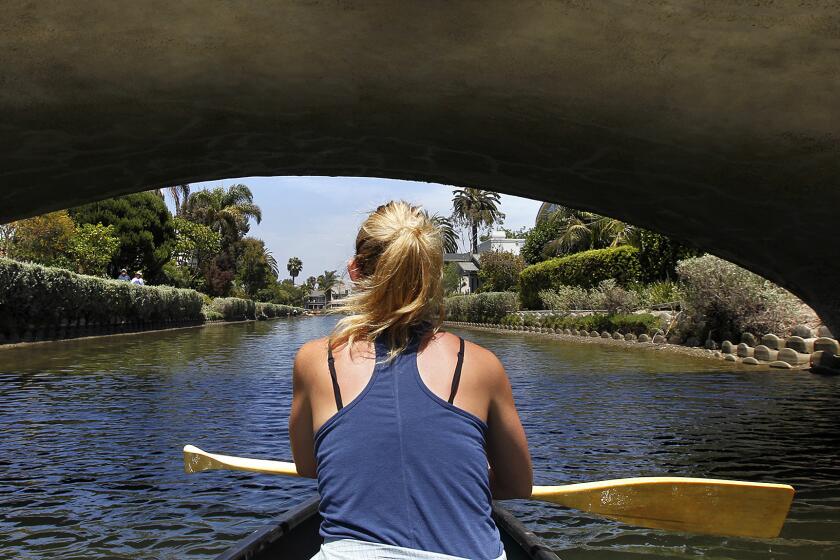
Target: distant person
x=124, y=276
x=138, y=279
x=407, y=464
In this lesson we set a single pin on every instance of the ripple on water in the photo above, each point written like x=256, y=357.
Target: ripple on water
x=92, y=432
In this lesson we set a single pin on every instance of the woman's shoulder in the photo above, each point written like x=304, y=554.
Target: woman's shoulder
x=309, y=356
x=476, y=356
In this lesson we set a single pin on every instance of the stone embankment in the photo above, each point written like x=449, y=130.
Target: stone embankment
x=816, y=350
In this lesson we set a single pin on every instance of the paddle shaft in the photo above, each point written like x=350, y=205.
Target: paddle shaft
x=697, y=505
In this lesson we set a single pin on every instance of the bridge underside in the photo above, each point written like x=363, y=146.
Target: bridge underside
x=714, y=123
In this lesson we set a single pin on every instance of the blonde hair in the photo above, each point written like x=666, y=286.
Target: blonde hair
x=399, y=255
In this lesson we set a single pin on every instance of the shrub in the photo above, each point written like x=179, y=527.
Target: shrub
x=566, y=298
x=733, y=300
x=34, y=296
x=659, y=255
x=272, y=310
x=607, y=295
x=487, y=307
x=584, y=269
x=500, y=271
x=235, y=309
x=535, y=241
x=657, y=293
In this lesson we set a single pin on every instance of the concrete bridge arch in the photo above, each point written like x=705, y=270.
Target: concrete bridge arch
x=715, y=123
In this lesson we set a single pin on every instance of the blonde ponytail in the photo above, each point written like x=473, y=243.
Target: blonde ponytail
x=399, y=254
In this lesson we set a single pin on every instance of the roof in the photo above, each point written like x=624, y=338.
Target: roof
x=458, y=257
x=467, y=266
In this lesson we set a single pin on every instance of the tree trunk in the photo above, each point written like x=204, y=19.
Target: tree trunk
x=474, y=225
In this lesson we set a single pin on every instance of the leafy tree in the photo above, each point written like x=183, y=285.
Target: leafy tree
x=447, y=233
x=499, y=271
x=144, y=227
x=451, y=278
x=543, y=233
x=180, y=195
x=294, y=266
x=659, y=255
x=225, y=211
x=311, y=282
x=92, y=247
x=255, y=271
x=44, y=239
x=219, y=274
x=476, y=209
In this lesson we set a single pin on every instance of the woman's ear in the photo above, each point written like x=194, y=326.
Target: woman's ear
x=353, y=270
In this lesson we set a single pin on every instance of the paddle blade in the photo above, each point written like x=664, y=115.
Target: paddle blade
x=694, y=505
x=197, y=460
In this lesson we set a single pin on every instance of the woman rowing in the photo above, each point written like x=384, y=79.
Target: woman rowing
x=399, y=420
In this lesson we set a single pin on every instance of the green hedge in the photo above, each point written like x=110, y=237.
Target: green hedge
x=584, y=269
x=235, y=309
x=487, y=307
x=272, y=310
x=36, y=297
x=636, y=323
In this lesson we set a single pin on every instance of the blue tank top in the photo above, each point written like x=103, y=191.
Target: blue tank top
x=401, y=466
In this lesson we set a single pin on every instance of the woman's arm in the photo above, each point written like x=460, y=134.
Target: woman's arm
x=301, y=435
x=511, y=475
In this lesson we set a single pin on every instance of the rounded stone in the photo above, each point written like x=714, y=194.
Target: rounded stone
x=802, y=330
x=780, y=364
x=750, y=361
x=765, y=354
x=744, y=350
x=772, y=341
x=826, y=344
x=567, y=331
x=605, y=334
x=617, y=336
x=823, y=331
x=727, y=347
x=644, y=338
x=595, y=334
x=692, y=341
x=659, y=339
x=730, y=358
x=674, y=339
x=710, y=344
x=630, y=337
x=793, y=357
x=801, y=345
x=749, y=339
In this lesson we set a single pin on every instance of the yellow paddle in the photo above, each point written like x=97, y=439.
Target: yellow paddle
x=693, y=505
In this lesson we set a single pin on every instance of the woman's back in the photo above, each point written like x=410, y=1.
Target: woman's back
x=399, y=465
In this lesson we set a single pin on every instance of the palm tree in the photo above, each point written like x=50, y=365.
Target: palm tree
x=581, y=230
x=271, y=262
x=447, y=233
x=294, y=266
x=180, y=194
x=225, y=211
x=326, y=281
x=476, y=209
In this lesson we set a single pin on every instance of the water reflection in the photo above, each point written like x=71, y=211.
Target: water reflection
x=90, y=462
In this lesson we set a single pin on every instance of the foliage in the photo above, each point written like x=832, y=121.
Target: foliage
x=585, y=269
x=255, y=270
x=606, y=295
x=327, y=281
x=92, y=247
x=195, y=243
x=218, y=275
x=294, y=266
x=451, y=278
x=659, y=255
x=235, y=309
x=447, y=233
x=311, y=282
x=44, y=239
x=636, y=323
x=180, y=195
x=499, y=271
x=665, y=291
x=543, y=233
x=35, y=296
x=487, y=307
x=225, y=211
x=144, y=227
x=271, y=310
x=733, y=300
x=476, y=209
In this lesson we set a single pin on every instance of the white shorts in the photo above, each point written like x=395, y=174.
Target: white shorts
x=349, y=549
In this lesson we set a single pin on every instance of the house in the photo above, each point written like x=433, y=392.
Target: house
x=470, y=263
x=318, y=300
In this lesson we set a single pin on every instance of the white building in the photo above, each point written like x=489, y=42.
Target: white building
x=498, y=242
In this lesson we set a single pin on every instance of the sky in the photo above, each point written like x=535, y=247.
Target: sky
x=316, y=218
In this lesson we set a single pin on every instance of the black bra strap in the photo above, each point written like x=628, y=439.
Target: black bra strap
x=336, y=391
x=456, y=379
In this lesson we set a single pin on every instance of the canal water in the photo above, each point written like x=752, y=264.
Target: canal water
x=91, y=434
